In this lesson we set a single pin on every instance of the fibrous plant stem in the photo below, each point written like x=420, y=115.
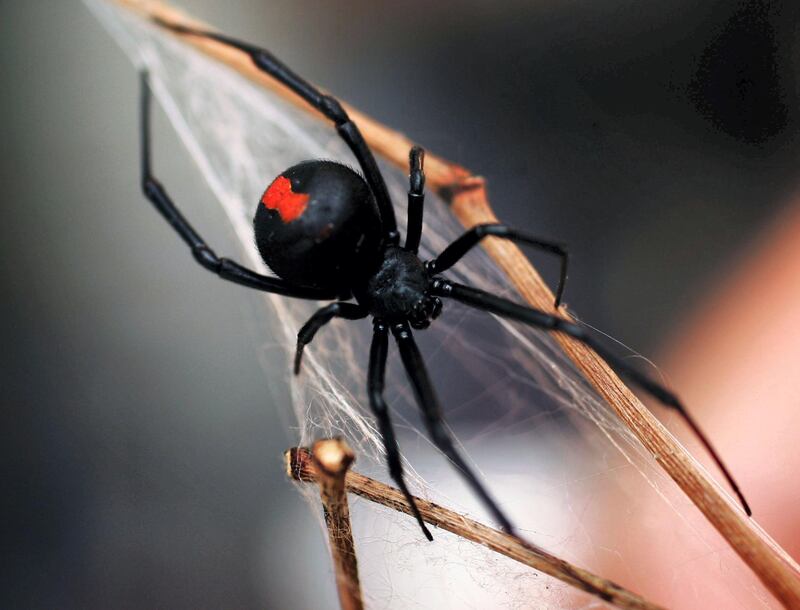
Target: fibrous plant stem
x=302, y=465
x=330, y=460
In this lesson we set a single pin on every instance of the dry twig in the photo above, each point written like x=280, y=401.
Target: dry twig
x=331, y=461
x=301, y=466
x=467, y=195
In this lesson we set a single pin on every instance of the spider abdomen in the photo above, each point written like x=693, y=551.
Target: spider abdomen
x=316, y=223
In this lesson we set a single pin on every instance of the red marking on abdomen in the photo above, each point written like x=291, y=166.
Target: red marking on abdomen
x=279, y=196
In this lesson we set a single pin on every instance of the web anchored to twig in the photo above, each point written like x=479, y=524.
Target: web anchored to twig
x=327, y=464
x=242, y=136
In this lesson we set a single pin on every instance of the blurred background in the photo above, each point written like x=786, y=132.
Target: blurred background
x=142, y=458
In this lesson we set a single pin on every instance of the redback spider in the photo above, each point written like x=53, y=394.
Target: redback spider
x=329, y=233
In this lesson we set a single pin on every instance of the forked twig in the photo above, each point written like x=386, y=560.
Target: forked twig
x=301, y=465
x=467, y=195
x=330, y=460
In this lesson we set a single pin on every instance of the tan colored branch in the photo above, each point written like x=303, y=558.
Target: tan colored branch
x=301, y=466
x=467, y=194
x=773, y=566
x=331, y=461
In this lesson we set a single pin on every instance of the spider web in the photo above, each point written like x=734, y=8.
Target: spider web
x=573, y=479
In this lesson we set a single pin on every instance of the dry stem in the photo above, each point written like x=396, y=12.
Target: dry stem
x=300, y=466
x=467, y=195
x=331, y=461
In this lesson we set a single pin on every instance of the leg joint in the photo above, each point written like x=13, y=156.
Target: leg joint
x=207, y=258
x=377, y=401
x=332, y=109
x=152, y=188
x=489, y=229
x=401, y=332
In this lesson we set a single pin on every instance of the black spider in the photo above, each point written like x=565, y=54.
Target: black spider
x=329, y=233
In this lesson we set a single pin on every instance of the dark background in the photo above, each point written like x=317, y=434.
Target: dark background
x=656, y=139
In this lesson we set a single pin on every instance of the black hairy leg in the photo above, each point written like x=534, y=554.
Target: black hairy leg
x=432, y=416
x=416, y=198
x=203, y=254
x=328, y=105
x=348, y=311
x=533, y=317
x=375, y=385
x=456, y=250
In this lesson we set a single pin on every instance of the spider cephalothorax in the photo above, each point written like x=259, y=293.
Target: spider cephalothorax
x=329, y=233
x=399, y=289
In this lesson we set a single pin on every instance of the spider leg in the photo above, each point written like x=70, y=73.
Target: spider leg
x=348, y=311
x=326, y=104
x=507, y=309
x=224, y=267
x=432, y=413
x=416, y=198
x=456, y=250
x=375, y=383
